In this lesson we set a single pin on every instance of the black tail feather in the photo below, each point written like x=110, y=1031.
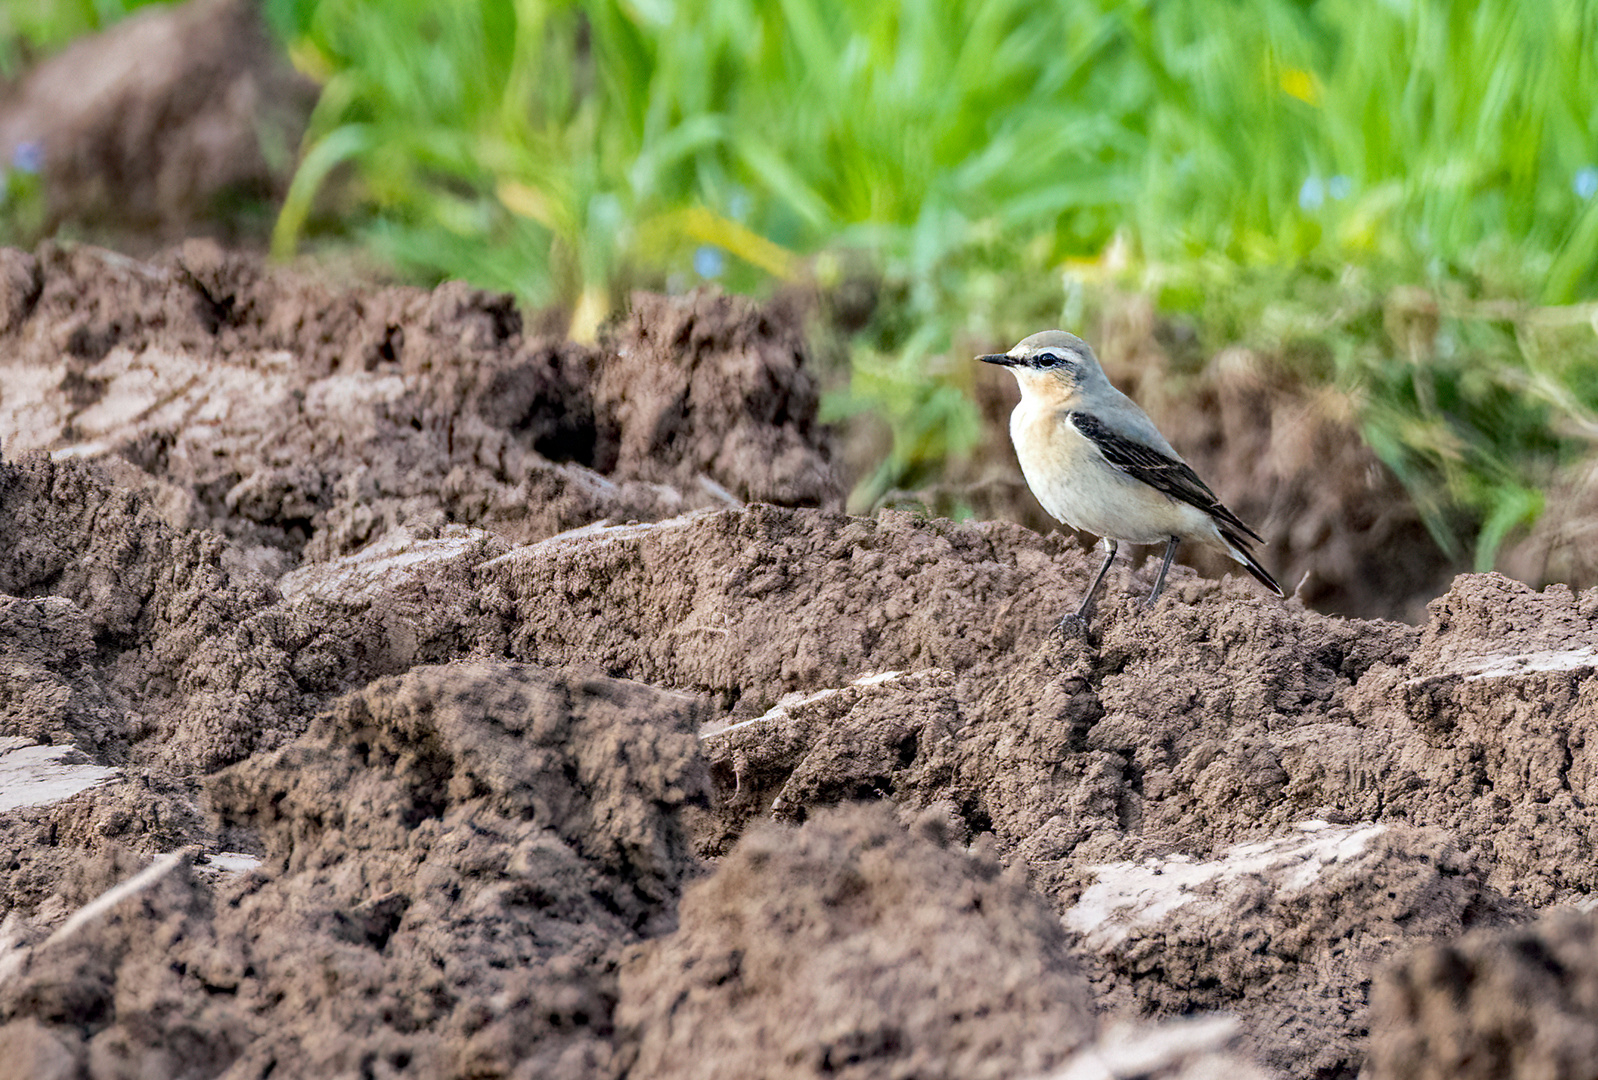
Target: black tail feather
x=1240, y=548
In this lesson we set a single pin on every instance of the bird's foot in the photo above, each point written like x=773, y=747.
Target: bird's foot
x=1074, y=625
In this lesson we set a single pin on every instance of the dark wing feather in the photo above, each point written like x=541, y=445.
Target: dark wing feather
x=1159, y=471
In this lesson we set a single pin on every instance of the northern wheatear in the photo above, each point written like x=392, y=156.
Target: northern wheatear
x=1096, y=462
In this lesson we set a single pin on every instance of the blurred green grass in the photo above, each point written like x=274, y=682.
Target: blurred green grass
x=1278, y=172
x=1263, y=133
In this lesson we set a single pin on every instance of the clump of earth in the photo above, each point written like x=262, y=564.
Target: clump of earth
x=389, y=690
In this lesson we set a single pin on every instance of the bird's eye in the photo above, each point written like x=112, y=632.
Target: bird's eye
x=1050, y=359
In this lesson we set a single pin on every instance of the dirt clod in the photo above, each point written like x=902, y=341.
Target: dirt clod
x=306, y=422
x=167, y=121
x=1516, y=1003
x=885, y=954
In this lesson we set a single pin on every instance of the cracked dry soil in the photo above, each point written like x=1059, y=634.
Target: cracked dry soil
x=503, y=707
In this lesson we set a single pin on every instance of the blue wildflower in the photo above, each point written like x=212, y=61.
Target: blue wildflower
x=709, y=261
x=28, y=157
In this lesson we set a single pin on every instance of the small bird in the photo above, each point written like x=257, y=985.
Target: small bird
x=1097, y=462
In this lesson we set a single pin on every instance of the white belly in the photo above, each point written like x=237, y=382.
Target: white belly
x=1077, y=486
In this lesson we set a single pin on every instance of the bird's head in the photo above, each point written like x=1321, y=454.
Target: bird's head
x=1051, y=362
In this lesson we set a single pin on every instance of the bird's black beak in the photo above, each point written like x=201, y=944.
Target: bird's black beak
x=1002, y=359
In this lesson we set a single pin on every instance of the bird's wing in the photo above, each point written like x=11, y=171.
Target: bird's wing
x=1157, y=469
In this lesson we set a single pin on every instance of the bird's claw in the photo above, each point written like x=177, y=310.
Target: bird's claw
x=1074, y=625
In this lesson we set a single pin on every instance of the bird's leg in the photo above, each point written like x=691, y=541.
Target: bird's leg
x=1165, y=564
x=1087, y=601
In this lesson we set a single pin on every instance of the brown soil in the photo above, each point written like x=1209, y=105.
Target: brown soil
x=1522, y=1002
x=854, y=901
x=496, y=706
x=174, y=121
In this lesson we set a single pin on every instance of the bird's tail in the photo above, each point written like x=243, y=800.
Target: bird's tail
x=1239, y=550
